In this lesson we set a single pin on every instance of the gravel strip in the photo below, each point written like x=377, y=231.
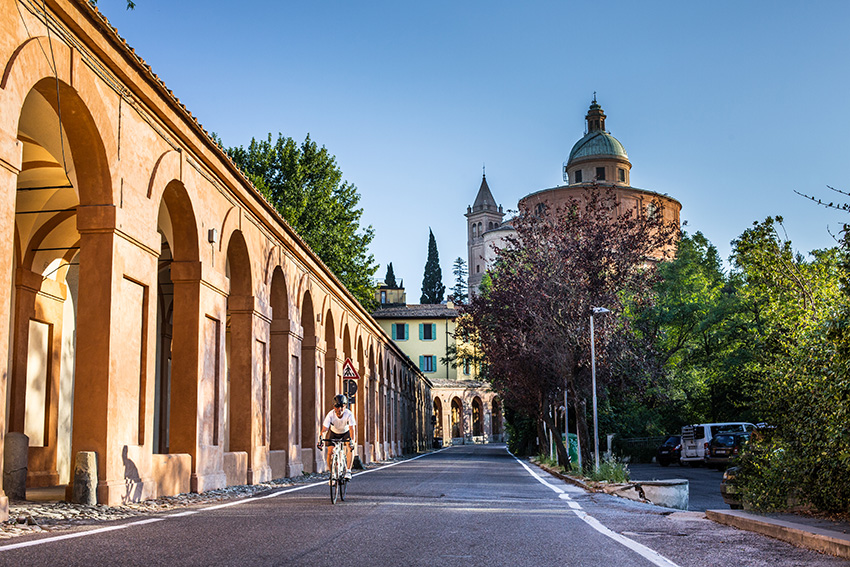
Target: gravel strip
x=26, y=517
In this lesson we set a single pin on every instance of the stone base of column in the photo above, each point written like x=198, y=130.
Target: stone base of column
x=258, y=475
x=294, y=469
x=4, y=507
x=202, y=483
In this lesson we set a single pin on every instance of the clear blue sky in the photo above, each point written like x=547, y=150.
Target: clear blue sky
x=726, y=106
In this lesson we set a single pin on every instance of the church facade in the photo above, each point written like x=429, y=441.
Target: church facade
x=597, y=159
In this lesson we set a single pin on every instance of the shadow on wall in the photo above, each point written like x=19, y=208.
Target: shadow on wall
x=132, y=480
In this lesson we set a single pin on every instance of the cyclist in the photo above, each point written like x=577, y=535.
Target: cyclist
x=339, y=424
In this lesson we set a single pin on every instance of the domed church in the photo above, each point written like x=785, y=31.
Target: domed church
x=597, y=158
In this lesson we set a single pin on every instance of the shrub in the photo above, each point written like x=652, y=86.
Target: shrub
x=611, y=470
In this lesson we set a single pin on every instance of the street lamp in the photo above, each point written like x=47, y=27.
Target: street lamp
x=595, y=311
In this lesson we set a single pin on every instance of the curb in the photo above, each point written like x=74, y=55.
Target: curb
x=818, y=539
x=571, y=479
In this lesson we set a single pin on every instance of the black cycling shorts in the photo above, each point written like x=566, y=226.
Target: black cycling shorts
x=332, y=436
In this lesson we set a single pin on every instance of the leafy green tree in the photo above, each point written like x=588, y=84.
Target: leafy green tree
x=305, y=185
x=459, y=293
x=696, y=326
x=800, y=374
x=432, y=282
x=389, y=279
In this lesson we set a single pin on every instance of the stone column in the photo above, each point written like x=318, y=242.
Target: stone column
x=114, y=377
x=10, y=165
x=195, y=424
x=248, y=385
x=294, y=464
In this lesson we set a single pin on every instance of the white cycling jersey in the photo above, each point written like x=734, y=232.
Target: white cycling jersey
x=339, y=424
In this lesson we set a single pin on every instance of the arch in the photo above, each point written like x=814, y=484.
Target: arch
x=477, y=417
x=438, y=418
x=239, y=347
x=280, y=363
x=333, y=379
x=457, y=418
x=238, y=268
x=308, y=386
x=58, y=291
x=84, y=116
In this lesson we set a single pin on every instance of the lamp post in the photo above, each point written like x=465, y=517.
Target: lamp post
x=595, y=311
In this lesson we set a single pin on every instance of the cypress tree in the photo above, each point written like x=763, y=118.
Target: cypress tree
x=389, y=280
x=432, y=283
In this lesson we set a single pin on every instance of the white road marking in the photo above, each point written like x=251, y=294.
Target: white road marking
x=649, y=554
x=191, y=512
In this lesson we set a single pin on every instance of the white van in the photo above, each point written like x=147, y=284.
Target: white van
x=695, y=438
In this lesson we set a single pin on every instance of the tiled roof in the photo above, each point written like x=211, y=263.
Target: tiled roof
x=439, y=311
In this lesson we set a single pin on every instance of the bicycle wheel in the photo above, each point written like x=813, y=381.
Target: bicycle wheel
x=334, y=490
x=334, y=480
x=342, y=485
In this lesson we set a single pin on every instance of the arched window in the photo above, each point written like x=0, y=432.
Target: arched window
x=477, y=417
x=457, y=418
x=474, y=230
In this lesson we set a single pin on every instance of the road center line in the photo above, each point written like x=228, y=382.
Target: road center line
x=649, y=554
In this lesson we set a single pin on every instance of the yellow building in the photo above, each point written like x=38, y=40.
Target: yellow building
x=465, y=409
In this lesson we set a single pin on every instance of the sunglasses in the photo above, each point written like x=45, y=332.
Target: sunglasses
x=338, y=405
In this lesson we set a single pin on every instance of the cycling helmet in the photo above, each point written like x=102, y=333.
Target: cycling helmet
x=340, y=400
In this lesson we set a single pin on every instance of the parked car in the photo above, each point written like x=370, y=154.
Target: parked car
x=670, y=451
x=729, y=490
x=695, y=438
x=724, y=447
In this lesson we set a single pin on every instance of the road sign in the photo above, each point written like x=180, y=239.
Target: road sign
x=348, y=371
x=349, y=387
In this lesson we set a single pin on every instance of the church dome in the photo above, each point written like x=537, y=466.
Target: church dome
x=595, y=144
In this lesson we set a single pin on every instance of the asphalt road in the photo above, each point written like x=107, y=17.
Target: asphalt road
x=703, y=483
x=470, y=506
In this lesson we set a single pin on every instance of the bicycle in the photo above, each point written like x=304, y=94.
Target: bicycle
x=338, y=482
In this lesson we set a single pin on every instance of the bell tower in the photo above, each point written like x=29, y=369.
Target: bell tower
x=484, y=215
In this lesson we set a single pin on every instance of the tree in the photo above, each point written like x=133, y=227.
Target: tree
x=533, y=318
x=459, y=292
x=130, y=4
x=799, y=374
x=304, y=184
x=696, y=326
x=432, y=282
x=389, y=279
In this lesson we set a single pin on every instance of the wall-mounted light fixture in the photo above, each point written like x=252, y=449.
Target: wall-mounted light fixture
x=212, y=236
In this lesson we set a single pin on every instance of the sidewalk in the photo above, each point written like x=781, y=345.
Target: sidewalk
x=803, y=531
x=817, y=534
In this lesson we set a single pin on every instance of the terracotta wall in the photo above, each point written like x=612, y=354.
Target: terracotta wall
x=192, y=308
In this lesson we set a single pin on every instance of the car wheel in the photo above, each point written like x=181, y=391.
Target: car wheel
x=663, y=463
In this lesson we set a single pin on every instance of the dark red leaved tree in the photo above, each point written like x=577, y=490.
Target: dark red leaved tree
x=533, y=321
